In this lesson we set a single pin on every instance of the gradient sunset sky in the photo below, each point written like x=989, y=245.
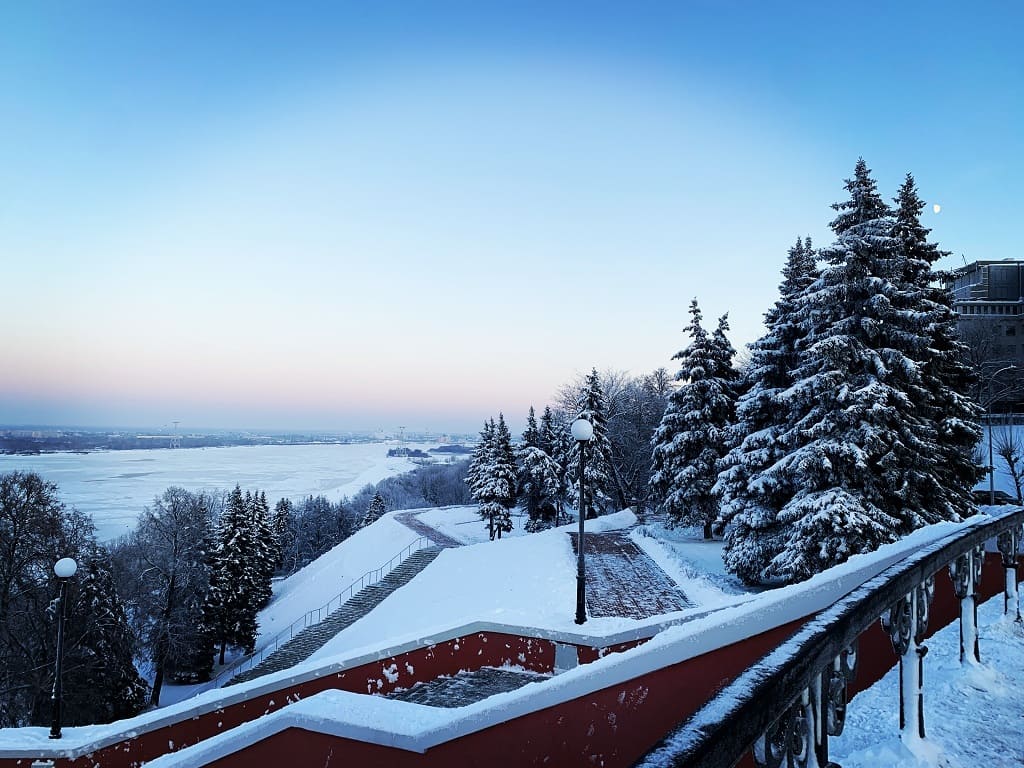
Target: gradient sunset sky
x=358, y=215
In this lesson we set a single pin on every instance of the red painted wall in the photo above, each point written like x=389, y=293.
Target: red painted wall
x=482, y=649
x=589, y=653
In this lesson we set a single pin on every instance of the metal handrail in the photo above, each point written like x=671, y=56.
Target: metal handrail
x=727, y=726
x=367, y=579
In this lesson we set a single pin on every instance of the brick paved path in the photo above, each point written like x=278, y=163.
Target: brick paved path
x=623, y=581
x=412, y=520
x=466, y=687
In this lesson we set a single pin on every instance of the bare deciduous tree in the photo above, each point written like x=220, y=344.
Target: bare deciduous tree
x=1009, y=446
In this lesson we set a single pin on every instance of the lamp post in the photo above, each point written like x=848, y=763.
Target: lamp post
x=64, y=568
x=582, y=432
x=991, y=463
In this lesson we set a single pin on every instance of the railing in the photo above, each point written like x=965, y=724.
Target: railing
x=785, y=707
x=367, y=579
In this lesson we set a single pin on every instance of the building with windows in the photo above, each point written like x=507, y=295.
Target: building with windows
x=988, y=296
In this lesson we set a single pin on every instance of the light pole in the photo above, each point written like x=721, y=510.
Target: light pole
x=582, y=431
x=991, y=463
x=64, y=568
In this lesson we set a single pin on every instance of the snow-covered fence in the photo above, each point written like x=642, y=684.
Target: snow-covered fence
x=316, y=615
x=784, y=708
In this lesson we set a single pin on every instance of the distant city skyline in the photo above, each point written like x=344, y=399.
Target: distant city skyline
x=342, y=217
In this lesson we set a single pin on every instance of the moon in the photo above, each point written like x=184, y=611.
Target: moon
x=936, y=208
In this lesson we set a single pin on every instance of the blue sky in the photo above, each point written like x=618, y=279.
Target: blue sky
x=359, y=215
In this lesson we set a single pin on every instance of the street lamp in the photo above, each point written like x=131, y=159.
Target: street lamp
x=991, y=463
x=582, y=432
x=64, y=568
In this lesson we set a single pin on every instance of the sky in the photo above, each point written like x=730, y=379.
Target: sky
x=358, y=215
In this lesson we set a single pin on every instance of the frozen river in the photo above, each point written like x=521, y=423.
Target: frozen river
x=114, y=486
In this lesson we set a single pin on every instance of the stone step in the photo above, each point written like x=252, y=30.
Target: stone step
x=314, y=637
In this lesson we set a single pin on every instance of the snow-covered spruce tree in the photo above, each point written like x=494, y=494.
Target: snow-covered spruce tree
x=531, y=435
x=748, y=509
x=862, y=453
x=265, y=548
x=100, y=667
x=555, y=442
x=539, y=475
x=283, y=530
x=229, y=613
x=947, y=377
x=497, y=485
x=480, y=460
x=691, y=438
x=528, y=491
x=375, y=511
x=593, y=407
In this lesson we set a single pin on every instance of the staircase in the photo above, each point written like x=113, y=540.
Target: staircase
x=314, y=637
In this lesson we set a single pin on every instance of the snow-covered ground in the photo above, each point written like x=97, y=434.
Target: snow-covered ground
x=464, y=523
x=974, y=715
x=319, y=582
x=113, y=487
x=528, y=580
x=686, y=556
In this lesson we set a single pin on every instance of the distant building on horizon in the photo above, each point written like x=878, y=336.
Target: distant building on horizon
x=988, y=297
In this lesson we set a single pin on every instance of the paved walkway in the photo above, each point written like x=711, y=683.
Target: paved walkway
x=412, y=520
x=466, y=687
x=623, y=581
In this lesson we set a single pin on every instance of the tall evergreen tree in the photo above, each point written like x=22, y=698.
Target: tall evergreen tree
x=861, y=454
x=947, y=377
x=230, y=608
x=690, y=440
x=375, y=511
x=265, y=550
x=497, y=485
x=480, y=459
x=100, y=666
x=283, y=531
x=593, y=407
x=538, y=476
x=748, y=509
x=531, y=435
x=555, y=441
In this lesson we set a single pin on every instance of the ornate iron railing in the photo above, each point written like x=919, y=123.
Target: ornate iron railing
x=785, y=707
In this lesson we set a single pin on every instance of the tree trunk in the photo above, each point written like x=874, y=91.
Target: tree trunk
x=161, y=646
x=223, y=645
x=158, y=680
x=707, y=531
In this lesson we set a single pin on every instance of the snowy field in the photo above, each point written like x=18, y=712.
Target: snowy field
x=113, y=487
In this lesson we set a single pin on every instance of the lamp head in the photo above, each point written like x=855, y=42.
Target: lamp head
x=65, y=568
x=582, y=430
